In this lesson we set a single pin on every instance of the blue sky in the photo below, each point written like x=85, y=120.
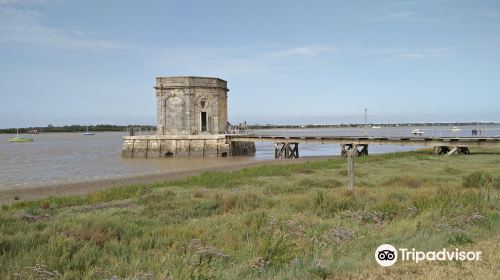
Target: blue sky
x=88, y=62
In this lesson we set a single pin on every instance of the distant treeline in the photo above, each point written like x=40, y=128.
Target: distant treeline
x=109, y=127
x=77, y=128
x=273, y=126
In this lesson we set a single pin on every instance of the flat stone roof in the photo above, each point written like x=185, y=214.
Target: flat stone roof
x=190, y=81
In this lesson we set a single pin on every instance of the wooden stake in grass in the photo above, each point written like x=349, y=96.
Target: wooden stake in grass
x=351, y=153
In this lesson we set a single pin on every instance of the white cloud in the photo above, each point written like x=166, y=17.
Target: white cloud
x=210, y=61
x=492, y=13
x=400, y=16
x=25, y=27
x=399, y=11
x=231, y=62
x=423, y=53
x=304, y=51
x=413, y=3
x=393, y=17
x=8, y=2
x=20, y=24
x=408, y=53
x=26, y=2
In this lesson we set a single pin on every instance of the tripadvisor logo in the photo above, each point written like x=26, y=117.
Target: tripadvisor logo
x=387, y=255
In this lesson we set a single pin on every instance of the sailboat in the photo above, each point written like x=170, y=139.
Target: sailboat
x=87, y=132
x=20, y=139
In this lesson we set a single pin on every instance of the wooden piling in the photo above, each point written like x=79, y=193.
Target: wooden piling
x=364, y=150
x=285, y=150
x=452, y=151
x=350, y=169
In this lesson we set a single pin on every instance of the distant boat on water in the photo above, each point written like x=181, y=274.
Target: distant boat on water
x=376, y=127
x=455, y=129
x=87, y=132
x=20, y=139
x=417, y=132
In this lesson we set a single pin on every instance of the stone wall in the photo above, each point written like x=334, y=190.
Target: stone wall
x=242, y=148
x=184, y=146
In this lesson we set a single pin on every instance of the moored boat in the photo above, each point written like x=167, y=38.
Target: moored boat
x=20, y=139
x=88, y=132
x=417, y=132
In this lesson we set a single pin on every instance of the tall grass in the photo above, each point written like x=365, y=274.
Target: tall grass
x=295, y=221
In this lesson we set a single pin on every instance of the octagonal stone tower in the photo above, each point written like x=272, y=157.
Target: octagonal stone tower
x=191, y=105
x=191, y=117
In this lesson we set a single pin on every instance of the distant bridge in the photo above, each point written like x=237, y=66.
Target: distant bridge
x=288, y=146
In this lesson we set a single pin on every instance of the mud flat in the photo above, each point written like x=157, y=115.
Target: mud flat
x=31, y=192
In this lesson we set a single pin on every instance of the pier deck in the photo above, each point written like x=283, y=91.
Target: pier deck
x=363, y=140
x=287, y=146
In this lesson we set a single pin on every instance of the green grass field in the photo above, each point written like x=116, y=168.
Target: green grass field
x=295, y=221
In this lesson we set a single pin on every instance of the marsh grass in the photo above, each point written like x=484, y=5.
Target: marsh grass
x=295, y=221
x=481, y=179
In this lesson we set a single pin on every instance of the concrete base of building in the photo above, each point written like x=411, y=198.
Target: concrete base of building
x=165, y=146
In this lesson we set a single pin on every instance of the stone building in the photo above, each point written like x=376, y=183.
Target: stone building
x=191, y=122
x=191, y=105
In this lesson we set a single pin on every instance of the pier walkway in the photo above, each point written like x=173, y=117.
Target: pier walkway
x=288, y=146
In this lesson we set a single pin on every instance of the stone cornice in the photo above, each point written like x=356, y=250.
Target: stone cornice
x=163, y=83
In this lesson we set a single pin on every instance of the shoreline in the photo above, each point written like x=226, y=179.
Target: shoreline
x=85, y=187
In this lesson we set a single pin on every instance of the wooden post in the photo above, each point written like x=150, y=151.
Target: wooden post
x=458, y=150
x=344, y=148
x=364, y=150
x=281, y=150
x=452, y=151
x=350, y=169
x=463, y=151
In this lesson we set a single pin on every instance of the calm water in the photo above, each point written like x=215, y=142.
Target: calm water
x=71, y=157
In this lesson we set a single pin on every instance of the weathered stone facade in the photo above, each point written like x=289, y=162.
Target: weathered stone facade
x=191, y=105
x=191, y=122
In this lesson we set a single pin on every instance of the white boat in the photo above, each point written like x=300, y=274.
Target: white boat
x=417, y=132
x=87, y=132
x=376, y=127
x=455, y=129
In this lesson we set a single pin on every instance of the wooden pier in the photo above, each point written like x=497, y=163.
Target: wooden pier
x=288, y=146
